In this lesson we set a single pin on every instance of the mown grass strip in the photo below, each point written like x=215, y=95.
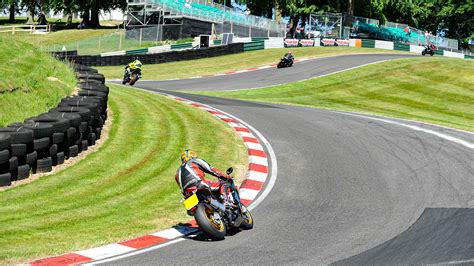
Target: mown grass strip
x=32, y=82
x=435, y=90
x=124, y=190
x=220, y=64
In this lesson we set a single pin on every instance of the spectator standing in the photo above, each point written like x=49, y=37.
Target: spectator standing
x=187, y=5
x=42, y=19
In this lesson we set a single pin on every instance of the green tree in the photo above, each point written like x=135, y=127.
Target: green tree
x=456, y=20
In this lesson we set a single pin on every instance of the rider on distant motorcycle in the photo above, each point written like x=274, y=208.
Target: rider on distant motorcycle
x=289, y=56
x=134, y=67
x=432, y=46
x=190, y=174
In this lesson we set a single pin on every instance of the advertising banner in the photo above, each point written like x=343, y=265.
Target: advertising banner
x=307, y=42
x=291, y=43
x=334, y=42
x=328, y=42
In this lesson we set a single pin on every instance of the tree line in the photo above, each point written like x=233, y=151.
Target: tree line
x=89, y=9
x=452, y=18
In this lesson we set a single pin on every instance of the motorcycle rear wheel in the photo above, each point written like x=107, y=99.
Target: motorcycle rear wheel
x=247, y=223
x=215, y=230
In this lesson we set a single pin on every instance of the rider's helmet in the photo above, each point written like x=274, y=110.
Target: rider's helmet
x=137, y=62
x=188, y=155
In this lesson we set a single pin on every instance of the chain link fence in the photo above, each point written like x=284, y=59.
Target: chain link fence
x=117, y=41
x=326, y=25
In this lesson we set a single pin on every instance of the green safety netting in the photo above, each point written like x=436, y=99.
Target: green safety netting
x=390, y=33
x=204, y=11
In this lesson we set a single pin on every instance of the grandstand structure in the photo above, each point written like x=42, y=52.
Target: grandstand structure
x=390, y=31
x=174, y=19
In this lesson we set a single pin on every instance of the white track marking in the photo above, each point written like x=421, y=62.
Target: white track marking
x=173, y=232
x=246, y=134
x=412, y=121
x=136, y=252
x=454, y=262
x=257, y=176
x=254, y=146
x=248, y=194
x=105, y=251
x=258, y=160
x=232, y=124
x=462, y=142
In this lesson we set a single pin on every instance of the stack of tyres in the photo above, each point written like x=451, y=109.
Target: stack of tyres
x=5, y=157
x=22, y=149
x=42, y=135
x=76, y=146
x=90, y=135
x=55, y=152
x=72, y=134
x=46, y=140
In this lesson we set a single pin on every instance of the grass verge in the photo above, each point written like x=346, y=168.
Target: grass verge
x=434, y=90
x=124, y=190
x=32, y=82
x=214, y=65
x=62, y=37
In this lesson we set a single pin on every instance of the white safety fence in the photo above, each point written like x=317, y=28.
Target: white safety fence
x=383, y=45
x=113, y=53
x=32, y=29
x=159, y=49
x=273, y=43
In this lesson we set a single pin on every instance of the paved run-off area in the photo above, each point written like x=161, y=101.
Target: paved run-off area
x=124, y=190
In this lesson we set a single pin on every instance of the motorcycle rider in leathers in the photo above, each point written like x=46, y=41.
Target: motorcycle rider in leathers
x=288, y=56
x=191, y=175
x=134, y=66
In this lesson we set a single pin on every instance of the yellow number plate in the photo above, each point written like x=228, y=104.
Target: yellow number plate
x=190, y=202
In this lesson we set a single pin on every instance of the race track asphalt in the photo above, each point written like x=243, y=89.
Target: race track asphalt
x=268, y=77
x=350, y=190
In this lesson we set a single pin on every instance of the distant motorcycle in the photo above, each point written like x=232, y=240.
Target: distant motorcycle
x=285, y=62
x=427, y=50
x=214, y=214
x=131, y=76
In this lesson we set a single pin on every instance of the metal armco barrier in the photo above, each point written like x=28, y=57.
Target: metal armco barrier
x=401, y=46
x=253, y=46
x=138, y=51
x=181, y=46
x=173, y=56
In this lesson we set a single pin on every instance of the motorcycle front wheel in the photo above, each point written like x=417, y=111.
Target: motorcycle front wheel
x=247, y=223
x=206, y=219
x=134, y=79
x=423, y=53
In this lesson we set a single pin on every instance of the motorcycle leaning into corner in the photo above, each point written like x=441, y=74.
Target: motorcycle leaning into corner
x=131, y=76
x=216, y=214
x=429, y=49
x=285, y=62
